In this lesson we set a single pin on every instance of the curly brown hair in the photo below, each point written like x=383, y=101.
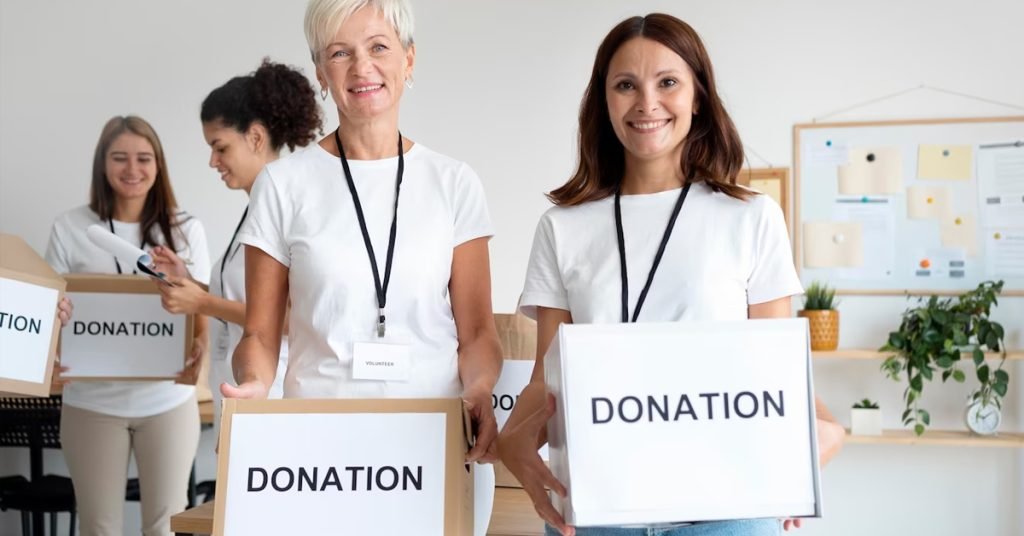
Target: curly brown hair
x=712, y=150
x=278, y=96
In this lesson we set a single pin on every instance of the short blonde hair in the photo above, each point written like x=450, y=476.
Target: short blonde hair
x=324, y=17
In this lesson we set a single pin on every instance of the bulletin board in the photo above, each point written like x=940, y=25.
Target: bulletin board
x=773, y=182
x=931, y=206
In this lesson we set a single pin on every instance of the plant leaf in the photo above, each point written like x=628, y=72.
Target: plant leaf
x=959, y=375
x=919, y=429
x=983, y=374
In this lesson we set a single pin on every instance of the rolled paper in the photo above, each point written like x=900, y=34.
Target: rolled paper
x=122, y=250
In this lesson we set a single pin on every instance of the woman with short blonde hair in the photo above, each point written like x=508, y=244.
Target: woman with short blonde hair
x=374, y=239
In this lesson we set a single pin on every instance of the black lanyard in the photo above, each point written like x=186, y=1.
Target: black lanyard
x=142, y=245
x=227, y=253
x=657, y=257
x=382, y=290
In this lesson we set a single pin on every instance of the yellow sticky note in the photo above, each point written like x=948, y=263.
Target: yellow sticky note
x=833, y=245
x=770, y=187
x=877, y=171
x=960, y=231
x=927, y=202
x=944, y=162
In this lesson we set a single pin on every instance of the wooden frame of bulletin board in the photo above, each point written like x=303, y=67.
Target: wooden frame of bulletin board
x=773, y=182
x=928, y=206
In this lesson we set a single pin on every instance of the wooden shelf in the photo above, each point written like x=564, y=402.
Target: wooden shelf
x=945, y=438
x=873, y=354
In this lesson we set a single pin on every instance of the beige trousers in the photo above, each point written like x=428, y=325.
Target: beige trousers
x=97, y=448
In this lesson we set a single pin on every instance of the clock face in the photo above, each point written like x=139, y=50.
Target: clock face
x=983, y=420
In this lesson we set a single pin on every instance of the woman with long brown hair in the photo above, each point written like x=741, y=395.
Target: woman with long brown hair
x=104, y=423
x=655, y=182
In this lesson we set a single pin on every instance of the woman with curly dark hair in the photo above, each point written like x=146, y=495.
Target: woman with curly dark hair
x=246, y=122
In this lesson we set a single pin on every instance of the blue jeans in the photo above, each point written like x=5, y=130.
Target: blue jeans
x=743, y=527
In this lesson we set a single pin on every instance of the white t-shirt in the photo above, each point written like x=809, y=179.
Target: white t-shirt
x=71, y=251
x=723, y=255
x=301, y=213
x=225, y=336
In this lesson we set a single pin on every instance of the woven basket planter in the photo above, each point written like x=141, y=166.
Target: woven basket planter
x=824, y=329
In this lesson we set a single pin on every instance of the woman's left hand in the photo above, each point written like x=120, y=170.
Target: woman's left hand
x=190, y=374
x=485, y=426
x=791, y=523
x=182, y=296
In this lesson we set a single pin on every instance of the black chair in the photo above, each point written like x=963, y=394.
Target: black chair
x=35, y=423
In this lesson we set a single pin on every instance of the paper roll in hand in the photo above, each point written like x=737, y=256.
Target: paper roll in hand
x=123, y=250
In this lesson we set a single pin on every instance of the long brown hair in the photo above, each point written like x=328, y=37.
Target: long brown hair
x=712, y=150
x=159, y=210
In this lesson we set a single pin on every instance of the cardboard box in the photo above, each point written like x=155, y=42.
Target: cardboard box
x=517, y=335
x=29, y=293
x=515, y=376
x=346, y=466
x=676, y=422
x=120, y=331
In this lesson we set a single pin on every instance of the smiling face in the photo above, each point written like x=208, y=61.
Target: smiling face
x=365, y=66
x=131, y=166
x=650, y=92
x=236, y=156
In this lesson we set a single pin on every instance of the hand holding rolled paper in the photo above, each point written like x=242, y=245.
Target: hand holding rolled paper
x=123, y=250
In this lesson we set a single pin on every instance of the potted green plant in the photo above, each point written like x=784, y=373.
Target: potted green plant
x=865, y=418
x=932, y=337
x=819, y=310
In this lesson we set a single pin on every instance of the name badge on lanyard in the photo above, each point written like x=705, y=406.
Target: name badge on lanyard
x=380, y=361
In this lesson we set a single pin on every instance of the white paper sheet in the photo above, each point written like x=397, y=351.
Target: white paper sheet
x=933, y=264
x=1004, y=253
x=1001, y=186
x=878, y=231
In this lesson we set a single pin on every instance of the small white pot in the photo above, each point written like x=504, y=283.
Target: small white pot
x=865, y=421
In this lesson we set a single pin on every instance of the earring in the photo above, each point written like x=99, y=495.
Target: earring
x=409, y=82
x=323, y=93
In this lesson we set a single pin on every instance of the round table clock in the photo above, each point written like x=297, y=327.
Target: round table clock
x=982, y=419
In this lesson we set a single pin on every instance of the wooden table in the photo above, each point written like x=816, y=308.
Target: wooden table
x=513, y=515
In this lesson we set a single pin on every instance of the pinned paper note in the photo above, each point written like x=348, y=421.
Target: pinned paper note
x=1004, y=253
x=941, y=263
x=833, y=245
x=872, y=172
x=944, y=162
x=826, y=152
x=876, y=218
x=960, y=231
x=928, y=202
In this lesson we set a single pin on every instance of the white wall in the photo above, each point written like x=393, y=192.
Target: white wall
x=498, y=85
